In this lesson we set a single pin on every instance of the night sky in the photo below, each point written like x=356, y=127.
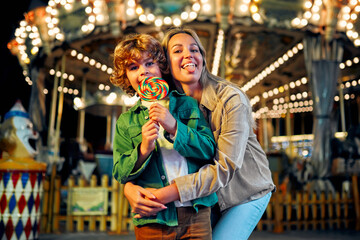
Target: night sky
x=12, y=82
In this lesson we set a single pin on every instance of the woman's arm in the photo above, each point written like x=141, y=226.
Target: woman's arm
x=141, y=200
x=232, y=138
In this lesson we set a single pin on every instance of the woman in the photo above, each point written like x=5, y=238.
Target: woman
x=240, y=174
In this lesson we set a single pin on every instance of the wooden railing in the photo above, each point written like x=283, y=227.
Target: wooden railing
x=291, y=211
x=117, y=220
x=304, y=210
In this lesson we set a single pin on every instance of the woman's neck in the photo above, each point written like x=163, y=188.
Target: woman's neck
x=193, y=90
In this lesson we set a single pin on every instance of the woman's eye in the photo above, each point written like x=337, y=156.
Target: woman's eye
x=131, y=68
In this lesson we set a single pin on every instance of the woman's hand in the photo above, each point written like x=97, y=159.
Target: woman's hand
x=161, y=114
x=142, y=201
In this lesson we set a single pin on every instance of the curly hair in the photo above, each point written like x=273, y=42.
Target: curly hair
x=131, y=49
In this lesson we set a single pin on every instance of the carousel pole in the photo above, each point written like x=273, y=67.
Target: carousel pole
x=108, y=132
x=265, y=132
x=56, y=146
x=53, y=109
x=342, y=109
x=113, y=123
x=288, y=127
x=81, y=123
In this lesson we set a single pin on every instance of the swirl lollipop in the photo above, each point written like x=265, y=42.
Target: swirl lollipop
x=153, y=88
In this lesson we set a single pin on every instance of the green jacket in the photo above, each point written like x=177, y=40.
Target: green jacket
x=194, y=140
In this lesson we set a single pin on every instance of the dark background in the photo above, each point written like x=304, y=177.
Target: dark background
x=12, y=82
x=13, y=86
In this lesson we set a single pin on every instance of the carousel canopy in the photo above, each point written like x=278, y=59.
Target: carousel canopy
x=257, y=44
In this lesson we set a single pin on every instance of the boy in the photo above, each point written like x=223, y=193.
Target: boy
x=147, y=157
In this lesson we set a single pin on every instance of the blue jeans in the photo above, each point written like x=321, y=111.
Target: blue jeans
x=239, y=221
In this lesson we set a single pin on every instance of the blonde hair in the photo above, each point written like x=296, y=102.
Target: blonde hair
x=207, y=80
x=131, y=49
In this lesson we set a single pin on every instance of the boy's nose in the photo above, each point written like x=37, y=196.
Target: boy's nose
x=144, y=71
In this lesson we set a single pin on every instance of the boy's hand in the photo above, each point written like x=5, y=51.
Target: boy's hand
x=162, y=115
x=150, y=132
x=142, y=201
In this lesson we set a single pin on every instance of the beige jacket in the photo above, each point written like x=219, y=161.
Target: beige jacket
x=241, y=171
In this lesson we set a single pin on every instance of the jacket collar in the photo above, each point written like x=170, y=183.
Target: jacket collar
x=137, y=106
x=208, y=99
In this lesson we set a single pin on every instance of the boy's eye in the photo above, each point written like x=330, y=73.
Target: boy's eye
x=133, y=67
x=149, y=64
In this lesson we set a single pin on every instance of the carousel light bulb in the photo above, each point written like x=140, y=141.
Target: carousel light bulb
x=206, y=7
x=139, y=10
x=304, y=22
x=103, y=68
x=151, y=17
x=158, y=22
x=130, y=12
x=59, y=36
x=177, y=22
x=308, y=4
x=92, y=18
x=357, y=42
x=51, y=3
x=193, y=15
x=78, y=102
x=68, y=7
x=100, y=18
x=196, y=7
x=88, y=10
x=243, y=8
x=256, y=17
x=254, y=8
x=131, y=3
x=142, y=18
x=184, y=15
x=84, y=28
x=353, y=16
x=167, y=20
x=80, y=56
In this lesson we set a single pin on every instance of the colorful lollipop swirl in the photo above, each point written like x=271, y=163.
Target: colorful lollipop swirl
x=153, y=88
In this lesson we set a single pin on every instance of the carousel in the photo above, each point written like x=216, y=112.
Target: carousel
x=298, y=62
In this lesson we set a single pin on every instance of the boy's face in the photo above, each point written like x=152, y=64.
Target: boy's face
x=145, y=67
